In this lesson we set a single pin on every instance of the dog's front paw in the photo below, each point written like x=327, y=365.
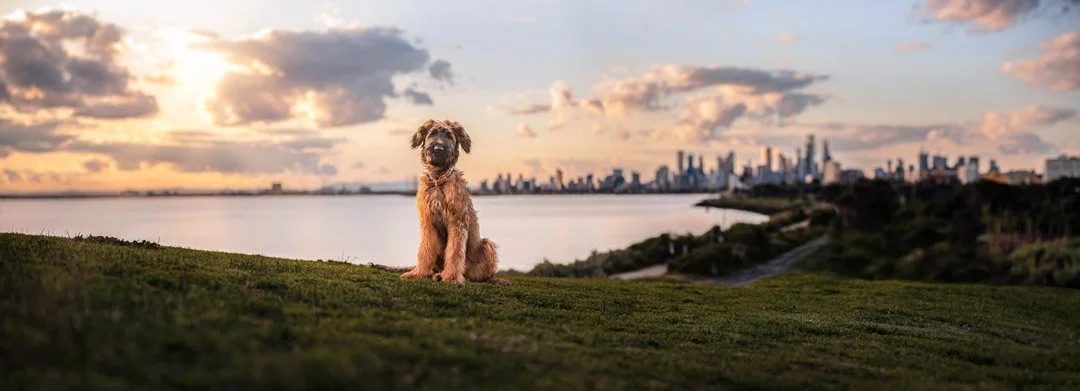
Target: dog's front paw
x=444, y=277
x=414, y=273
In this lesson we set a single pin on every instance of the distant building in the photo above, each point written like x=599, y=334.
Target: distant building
x=832, y=173
x=663, y=178
x=275, y=188
x=940, y=161
x=942, y=175
x=851, y=176
x=924, y=164
x=1023, y=177
x=1062, y=167
x=970, y=172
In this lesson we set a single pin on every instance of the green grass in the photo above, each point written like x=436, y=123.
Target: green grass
x=102, y=314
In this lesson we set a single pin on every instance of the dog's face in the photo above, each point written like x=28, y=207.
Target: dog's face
x=440, y=141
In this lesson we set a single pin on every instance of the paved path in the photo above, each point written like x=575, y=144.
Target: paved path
x=771, y=268
x=651, y=271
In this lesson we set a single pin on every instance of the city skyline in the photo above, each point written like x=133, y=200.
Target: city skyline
x=164, y=95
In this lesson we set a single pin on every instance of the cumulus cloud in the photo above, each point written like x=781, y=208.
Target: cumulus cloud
x=999, y=123
x=1025, y=143
x=1058, y=68
x=336, y=77
x=525, y=131
x=771, y=97
x=984, y=16
x=67, y=60
x=909, y=47
x=787, y=38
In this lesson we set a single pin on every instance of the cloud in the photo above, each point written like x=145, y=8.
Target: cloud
x=417, y=97
x=95, y=165
x=787, y=38
x=30, y=176
x=766, y=96
x=999, y=123
x=336, y=77
x=186, y=150
x=1025, y=144
x=440, y=70
x=706, y=118
x=986, y=16
x=525, y=131
x=31, y=138
x=67, y=60
x=228, y=157
x=910, y=47
x=1058, y=69
x=1012, y=131
x=160, y=79
x=358, y=166
x=865, y=137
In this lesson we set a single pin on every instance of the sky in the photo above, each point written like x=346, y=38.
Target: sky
x=115, y=95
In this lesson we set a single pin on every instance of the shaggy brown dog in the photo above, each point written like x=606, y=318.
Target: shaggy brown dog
x=451, y=248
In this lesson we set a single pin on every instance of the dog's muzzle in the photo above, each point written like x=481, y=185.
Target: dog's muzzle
x=440, y=150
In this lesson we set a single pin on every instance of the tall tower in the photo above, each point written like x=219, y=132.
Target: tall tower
x=825, y=156
x=680, y=161
x=799, y=166
x=768, y=158
x=810, y=155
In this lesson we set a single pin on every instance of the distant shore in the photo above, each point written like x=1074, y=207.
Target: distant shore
x=372, y=193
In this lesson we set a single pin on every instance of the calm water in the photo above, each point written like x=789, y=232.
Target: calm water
x=361, y=229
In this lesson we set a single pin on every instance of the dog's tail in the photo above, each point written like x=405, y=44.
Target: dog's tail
x=490, y=254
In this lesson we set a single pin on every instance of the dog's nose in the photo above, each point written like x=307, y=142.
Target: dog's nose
x=438, y=148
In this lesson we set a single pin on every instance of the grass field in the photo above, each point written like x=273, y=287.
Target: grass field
x=100, y=314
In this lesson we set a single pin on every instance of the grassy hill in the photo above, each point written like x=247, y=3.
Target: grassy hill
x=94, y=314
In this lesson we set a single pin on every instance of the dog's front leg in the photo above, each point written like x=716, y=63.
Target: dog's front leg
x=454, y=266
x=427, y=256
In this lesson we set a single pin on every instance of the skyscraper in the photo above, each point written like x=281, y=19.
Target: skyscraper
x=767, y=157
x=809, y=161
x=924, y=162
x=680, y=163
x=825, y=156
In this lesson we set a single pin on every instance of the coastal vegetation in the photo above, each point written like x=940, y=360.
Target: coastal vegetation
x=715, y=252
x=980, y=232
x=110, y=314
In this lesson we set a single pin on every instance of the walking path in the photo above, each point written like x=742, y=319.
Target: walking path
x=771, y=268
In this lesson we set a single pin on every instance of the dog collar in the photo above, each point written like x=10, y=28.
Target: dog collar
x=437, y=182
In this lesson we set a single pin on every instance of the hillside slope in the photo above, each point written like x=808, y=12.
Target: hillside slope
x=95, y=314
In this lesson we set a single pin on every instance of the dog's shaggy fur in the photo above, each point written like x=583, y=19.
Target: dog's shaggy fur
x=451, y=248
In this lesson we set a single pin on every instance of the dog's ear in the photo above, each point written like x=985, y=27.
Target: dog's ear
x=421, y=133
x=462, y=137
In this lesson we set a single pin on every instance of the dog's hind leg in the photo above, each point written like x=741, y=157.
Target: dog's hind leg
x=483, y=262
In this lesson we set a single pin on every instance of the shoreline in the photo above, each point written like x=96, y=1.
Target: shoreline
x=374, y=193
